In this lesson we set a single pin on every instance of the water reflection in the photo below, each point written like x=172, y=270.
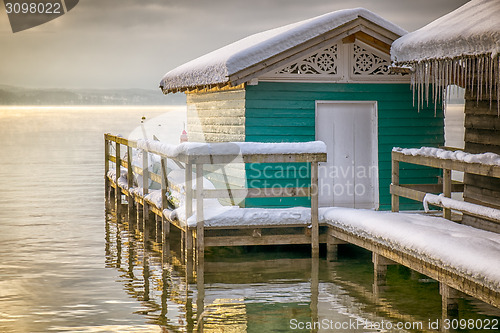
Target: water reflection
x=256, y=290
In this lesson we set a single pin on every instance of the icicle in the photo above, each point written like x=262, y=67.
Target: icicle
x=412, y=83
x=472, y=71
x=455, y=71
x=422, y=85
x=480, y=79
x=441, y=79
x=417, y=86
x=490, y=80
x=464, y=72
x=435, y=85
x=497, y=76
x=427, y=82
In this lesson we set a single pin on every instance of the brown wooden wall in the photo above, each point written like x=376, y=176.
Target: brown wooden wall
x=216, y=116
x=482, y=134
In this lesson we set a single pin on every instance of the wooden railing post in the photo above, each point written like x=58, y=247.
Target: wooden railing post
x=188, y=243
x=314, y=210
x=200, y=245
x=447, y=191
x=118, y=191
x=130, y=183
x=395, y=182
x=200, y=242
x=145, y=190
x=106, y=167
x=165, y=225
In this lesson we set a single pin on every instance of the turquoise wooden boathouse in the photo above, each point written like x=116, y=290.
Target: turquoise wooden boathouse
x=328, y=79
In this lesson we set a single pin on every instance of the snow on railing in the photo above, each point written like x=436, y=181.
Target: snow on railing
x=455, y=155
x=462, y=206
x=486, y=164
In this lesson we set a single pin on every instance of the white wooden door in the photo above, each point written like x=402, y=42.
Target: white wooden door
x=350, y=176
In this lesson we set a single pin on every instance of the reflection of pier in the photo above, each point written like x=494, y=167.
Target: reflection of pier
x=232, y=294
x=231, y=226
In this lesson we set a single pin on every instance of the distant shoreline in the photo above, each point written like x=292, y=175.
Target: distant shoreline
x=168, y=106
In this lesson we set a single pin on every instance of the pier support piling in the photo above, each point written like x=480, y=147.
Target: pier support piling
x=449, y=297
x=380, y=264
x=332, y=244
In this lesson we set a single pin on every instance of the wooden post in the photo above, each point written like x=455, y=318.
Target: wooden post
x=188, y=243
x=165, y=225
x=314, y=289
x=165, y=291
x=395, y=182
x=145, y=190
x=146, y=273
x=447, y=191
x=200, y=239
x=130, y=183
x=380, y=264
x=332, y=244
x=106, y=168
x=200, y=276
x=118, y=191
x=314, y=210
x=449, y=297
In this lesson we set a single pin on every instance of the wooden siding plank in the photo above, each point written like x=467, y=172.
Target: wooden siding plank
x=480, y=136
x=216, y=96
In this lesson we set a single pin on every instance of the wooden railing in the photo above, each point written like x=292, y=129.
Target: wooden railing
x=199, y=161
x=418, y=191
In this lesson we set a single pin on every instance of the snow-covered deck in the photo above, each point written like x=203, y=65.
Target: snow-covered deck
x=458, y=256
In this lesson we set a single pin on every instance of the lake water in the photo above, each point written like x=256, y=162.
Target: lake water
x=67, y=266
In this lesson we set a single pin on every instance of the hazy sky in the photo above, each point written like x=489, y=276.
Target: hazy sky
x=132, y=43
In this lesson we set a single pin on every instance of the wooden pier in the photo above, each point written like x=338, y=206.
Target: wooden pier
x=152, y=213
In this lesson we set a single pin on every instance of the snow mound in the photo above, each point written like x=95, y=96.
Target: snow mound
x=232, y=148
x=217, y=215
x=458, y=155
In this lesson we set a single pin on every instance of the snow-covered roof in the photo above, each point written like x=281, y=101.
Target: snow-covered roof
x=473, y=29
x=218, y=66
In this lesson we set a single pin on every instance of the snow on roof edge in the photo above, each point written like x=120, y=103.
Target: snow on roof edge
x=471, y=30
x=217, y=66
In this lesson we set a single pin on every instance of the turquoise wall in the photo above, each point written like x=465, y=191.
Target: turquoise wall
x=285, y=112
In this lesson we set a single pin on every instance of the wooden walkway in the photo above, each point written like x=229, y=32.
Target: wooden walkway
x=151, y=208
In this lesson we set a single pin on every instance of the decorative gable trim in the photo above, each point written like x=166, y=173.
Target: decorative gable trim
x=345, y=62
x=325, y=62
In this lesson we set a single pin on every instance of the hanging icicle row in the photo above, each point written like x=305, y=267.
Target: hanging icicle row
x=478, y=74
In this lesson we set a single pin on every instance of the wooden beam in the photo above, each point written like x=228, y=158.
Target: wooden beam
x=200, y=228
x=434, y=188
x=130, y=183
x=118, y=192
x=405, y=192
x=106, y=167
x=283, y=192
x=368, y=39
x=447, y=191
x=394, y=182
x=475, y=168
x=188, y=239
